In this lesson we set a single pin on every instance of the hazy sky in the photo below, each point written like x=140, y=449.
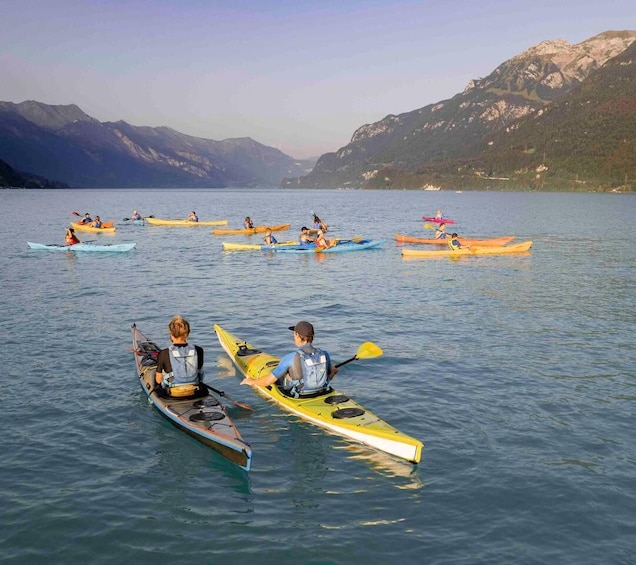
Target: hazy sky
x=298, y=75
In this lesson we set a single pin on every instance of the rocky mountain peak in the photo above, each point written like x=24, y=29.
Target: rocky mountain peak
x=520, y=86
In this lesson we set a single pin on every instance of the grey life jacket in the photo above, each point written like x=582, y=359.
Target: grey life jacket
x=185, y=366
x=308, y=373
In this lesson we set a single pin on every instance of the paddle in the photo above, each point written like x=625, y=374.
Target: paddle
x=366, y=351
x=430, y=227
x=224, y=395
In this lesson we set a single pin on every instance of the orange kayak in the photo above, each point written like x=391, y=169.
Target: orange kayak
x=493, y=242
x=250, y=231
x=89, y=228
x=469, y=251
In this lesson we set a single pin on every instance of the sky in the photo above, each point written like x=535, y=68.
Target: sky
x=297, y=75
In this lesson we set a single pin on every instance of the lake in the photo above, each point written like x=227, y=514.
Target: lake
x=517, y=372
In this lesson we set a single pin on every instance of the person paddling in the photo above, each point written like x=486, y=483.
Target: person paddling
x=322, y=242
x=454, y=243
x=181, y=364
x=319, y=224
x=86, y=219
x=269, y=239
x=136, y=215
x=440, y=232
x=97, y=222
x=71, y=238
x=306, y=371
x=192, y=217
x=248, y=224
x=304, y=235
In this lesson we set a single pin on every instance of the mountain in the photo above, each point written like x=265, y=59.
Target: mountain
x=437, y=143
x=10, y=178
x=585, y=140
x=63, y=142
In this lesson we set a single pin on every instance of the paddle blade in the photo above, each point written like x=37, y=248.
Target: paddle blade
x=74, y=213
x=429, y=227
x=368, y=350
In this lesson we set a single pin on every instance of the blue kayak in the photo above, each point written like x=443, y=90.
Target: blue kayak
x=108, y=247
x=341, y=246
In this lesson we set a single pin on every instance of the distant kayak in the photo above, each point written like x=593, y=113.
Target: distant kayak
x=340, y=247
x=438, y=220
x=181, y=223
x=251, y=231
x=228, y=246
x=468, y=251
x=493, y=242
x=114, y=247
x=89, y=228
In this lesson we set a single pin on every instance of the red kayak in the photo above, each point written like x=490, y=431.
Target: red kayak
x=438, y=220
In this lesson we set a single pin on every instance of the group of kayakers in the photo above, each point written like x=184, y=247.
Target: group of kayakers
x=88, y=221
x=440, y=232
x=305, y=371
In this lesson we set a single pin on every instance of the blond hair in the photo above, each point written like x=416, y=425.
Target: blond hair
x=179, y=327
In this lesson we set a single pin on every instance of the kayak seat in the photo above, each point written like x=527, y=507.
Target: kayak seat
x=206, y=416
x=337, y=399
x=345, y=413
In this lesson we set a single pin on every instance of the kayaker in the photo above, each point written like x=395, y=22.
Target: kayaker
x=454, y=243
x=304, y=235
x=306, y=371
x=192, y=217
x=181, y=364
x=319, y=224
x=248, y=224
x=322, y=242
x=97, y=222
x=439, y=215
x=440, y=232
x=86, y=219
x=136, y=215
x=71, y=238
x=269, y=239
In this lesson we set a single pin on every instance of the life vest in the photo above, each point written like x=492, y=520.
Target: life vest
x=308, y=372
x=454, y=244
x=185, y=368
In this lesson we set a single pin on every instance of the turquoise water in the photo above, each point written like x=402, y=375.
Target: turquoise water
x=518, y=373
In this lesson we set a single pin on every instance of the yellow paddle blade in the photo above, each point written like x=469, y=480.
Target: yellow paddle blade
x=367, y=350
x=429, y=227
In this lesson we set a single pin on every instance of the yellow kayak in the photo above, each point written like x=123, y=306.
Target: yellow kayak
x=333, y=410
x=468, y=251
x=165, y=222
x=251, y=231
x=89, y=228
